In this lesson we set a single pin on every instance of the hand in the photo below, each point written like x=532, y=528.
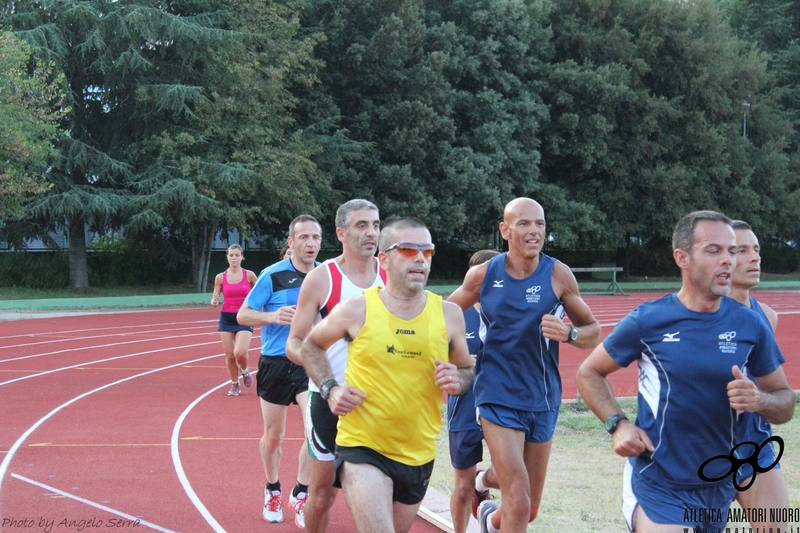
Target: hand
x=743, y=394
x=447, y=377
x=342, y=400
x=284, y=315
x=553, y=328
x=630, y=440
x=214, y=300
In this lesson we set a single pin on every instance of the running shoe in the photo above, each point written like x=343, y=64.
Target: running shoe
x=236, y=390
x=479, y=497
x=247, y=379
x=299, y=505
x=484, y=510
x=273, y=510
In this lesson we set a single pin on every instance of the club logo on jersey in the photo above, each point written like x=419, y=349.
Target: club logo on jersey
x=726, y=344
x=498, y=283
x=404, y=332
x=402, y=353
x=532, y=295
x=671, y=337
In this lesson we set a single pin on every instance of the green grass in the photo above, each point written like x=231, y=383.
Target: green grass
x=24, y=293
x=583, y=489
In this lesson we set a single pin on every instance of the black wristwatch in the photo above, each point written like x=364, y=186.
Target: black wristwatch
x=573, y=334
x=325, y=387
x=611, y=422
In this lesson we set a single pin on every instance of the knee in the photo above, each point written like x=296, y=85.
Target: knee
x=272, y=441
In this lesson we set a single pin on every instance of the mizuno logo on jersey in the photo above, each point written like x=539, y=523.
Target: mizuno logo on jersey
x=671, y=337
x=470, y=335
x=404, y=332
x=498, y=283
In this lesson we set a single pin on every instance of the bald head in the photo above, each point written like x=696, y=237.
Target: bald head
x=519, y=206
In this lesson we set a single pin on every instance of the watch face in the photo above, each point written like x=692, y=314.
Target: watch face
x=573, y=334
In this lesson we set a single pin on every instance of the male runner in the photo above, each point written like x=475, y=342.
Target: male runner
x=523, y=295
x=271, y=304
x=346, y=276
x=466, y=435
x=769, y=488
x=405, y=346
x=690, y=348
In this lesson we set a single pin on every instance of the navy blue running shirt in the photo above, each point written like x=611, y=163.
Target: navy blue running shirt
x=461, y=414
x=518, y=367
x=685, y=360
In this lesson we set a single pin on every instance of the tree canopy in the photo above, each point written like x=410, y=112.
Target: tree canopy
x=619, y=116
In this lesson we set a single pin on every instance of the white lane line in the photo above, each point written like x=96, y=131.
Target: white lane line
x=94, y=347
x=176, y=460
x=96, y=505
x=89, y=363
x=124, y=334
x=106, y=328
x=13, y=450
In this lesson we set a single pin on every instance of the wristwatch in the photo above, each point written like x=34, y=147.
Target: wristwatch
x=611, y=422
x=325, y=387
x=573, y=334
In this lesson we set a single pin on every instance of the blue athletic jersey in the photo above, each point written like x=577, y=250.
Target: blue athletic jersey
x=461, y=409
x=518, y=367
x=277, y=286
x=752, y=426
x=685, y=360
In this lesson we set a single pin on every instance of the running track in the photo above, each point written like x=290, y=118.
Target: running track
x=111, y=418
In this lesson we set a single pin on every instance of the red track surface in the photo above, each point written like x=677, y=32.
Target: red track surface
x=125, y=415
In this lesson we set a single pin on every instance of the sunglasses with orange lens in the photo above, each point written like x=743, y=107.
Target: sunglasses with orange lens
x=410, y=249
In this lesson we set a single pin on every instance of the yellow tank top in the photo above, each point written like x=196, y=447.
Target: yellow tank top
x=391, y=360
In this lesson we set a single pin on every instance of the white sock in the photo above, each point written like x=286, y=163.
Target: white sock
x=479, y=486
x=245, y=371
x=489, y=527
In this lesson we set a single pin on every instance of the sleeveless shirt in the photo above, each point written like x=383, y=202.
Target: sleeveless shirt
x=392, y=361
x=341, y=288
x=234, y=294
x=518, y=367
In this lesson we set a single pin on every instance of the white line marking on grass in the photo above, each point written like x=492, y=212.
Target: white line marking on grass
x=93, y=504
x=176, y=460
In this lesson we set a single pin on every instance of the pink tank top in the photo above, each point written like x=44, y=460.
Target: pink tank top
x=234, y=294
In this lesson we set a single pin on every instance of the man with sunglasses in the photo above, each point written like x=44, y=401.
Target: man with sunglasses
x=405, y=346
x=347, y=276
x=523, y=295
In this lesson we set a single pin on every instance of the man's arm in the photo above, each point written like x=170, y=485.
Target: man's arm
x=247, y=316
x=566, y=288
x=469, y=293
x=770, y=395
x=455, y=377
x=771, y=315
x=312, y=291
x=628, y=439
x=344, y=322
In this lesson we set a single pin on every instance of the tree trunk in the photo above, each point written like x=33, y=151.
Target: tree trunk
x=201, y=257
x=78, y=265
